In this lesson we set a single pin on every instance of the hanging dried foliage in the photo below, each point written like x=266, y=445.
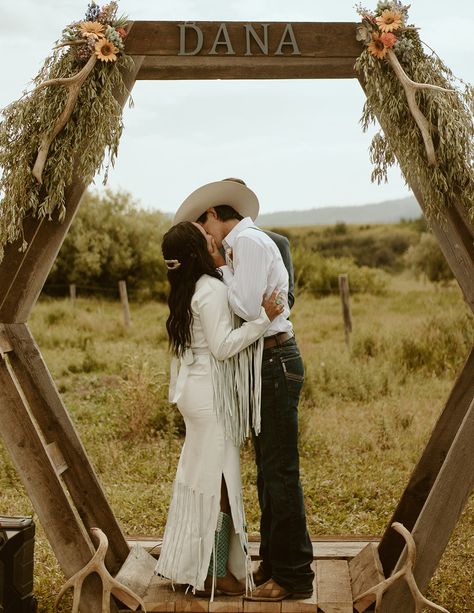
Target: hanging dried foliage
x=70, y=118
x=429, y=114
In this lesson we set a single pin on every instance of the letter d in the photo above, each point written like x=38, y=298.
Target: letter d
x=182, y=39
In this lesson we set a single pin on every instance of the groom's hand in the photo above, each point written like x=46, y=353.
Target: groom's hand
x=216, y=254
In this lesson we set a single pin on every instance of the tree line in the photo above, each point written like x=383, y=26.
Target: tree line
x=112, y=238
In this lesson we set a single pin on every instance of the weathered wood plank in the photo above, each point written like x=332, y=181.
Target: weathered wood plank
x=251, y=606
x=309, y=605
x=429, y=465
x=314, y=39
x=5, y=345
x=56, y=425
x=187, y=603
x=160, y=596
x=23, y=274
x=440, y=513
x=227, y=604
x=171, y=68
x=69, y=541
x=56, y=457
x=323, y=547
x=334, y=586
x=365, y=571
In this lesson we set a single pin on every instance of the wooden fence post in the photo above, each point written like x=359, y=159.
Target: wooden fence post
x=346, y=307
x=124, y=301
x=72, y=294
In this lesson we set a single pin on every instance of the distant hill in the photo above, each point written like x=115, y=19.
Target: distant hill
x=389, y=211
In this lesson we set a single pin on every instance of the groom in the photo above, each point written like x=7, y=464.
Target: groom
x=253, y=267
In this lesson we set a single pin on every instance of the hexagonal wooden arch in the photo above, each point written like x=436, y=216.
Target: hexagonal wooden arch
x=35, y=425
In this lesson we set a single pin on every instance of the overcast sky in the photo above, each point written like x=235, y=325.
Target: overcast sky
x=297, y=143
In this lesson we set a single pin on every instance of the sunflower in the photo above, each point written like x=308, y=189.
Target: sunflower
x=92, y=29
x=106, y=51
x=377, y=47
x=389, y=20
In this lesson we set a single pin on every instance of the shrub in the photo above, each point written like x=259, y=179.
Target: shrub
x=440, y=347
x=319, y=275
x=426, y=258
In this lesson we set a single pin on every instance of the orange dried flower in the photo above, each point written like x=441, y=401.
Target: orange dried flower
x=388, y=39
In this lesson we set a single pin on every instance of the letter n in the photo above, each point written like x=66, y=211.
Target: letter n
x=263, y=45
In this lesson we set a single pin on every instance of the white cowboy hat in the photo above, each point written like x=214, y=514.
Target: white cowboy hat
x=234, y=194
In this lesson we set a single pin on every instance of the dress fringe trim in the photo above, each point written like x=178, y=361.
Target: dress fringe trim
x=189, y=538
x=238, y=405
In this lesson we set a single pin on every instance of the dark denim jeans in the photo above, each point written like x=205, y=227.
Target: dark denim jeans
x=285, y=548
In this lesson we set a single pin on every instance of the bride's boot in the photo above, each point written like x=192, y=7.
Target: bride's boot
x=226, y=583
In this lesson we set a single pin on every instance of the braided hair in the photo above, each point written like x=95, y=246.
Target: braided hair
x=185, y=246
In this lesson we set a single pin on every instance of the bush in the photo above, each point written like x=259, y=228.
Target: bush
x=112, y=239
x=440, y=347
x=426, y=258
x=319, y=275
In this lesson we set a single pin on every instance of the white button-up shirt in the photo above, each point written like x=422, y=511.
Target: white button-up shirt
x=254, y=268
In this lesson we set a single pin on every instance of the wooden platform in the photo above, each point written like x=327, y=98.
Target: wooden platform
x=332, y=592
x=324, y=547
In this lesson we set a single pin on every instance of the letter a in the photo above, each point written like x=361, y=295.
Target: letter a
x=292, y=42
x=182, y=39
x=222, y=30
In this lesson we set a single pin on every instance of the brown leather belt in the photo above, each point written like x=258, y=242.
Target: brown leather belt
x=276, y=340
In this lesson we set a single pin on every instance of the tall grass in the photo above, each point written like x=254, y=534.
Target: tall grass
x=365, y=415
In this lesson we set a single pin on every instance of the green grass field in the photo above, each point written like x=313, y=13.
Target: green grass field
x=365, y=415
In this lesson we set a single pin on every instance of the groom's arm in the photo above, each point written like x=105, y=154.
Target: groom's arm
x=248, y=283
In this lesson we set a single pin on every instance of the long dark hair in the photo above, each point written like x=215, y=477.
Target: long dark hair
x=186, y=244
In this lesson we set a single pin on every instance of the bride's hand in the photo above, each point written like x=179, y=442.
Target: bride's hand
x=273, y=305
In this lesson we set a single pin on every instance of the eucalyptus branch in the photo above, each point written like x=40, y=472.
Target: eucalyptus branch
x=410, y=88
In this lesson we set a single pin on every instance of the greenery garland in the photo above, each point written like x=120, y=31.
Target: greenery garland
x=93, y=129
x=450, y=113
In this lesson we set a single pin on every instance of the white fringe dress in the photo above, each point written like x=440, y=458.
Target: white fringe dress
x=216, y=391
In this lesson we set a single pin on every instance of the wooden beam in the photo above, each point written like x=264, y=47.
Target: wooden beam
x=23, y=274
x=69, y=541
x=366, y=571
x=455, y=235
x=53, y=419
x=189, y=68
x=314, y=39
x=440, y=514
x=426, y=471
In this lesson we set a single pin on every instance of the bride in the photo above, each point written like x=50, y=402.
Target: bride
x=205, y=544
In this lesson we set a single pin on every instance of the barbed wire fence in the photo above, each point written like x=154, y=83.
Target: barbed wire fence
x=122, y=293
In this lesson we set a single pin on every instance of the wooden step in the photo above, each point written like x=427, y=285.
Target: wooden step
x=331, y=594
x=324, y=547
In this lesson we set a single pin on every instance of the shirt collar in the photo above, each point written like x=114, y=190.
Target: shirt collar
x=246, y=222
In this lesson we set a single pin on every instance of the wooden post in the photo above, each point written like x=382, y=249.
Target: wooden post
x=124, y=301
x=58, y=429
x=426, y=471
x=346, y=307
x=72, y=294
x=68, y=539
x=440, y=513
